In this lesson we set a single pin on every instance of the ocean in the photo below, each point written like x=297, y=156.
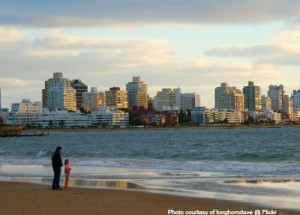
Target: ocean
x=252, y=165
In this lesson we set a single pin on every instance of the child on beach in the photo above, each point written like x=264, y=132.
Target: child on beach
x=67, y=173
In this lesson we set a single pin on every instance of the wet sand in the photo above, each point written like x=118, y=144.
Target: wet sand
x=25, y=198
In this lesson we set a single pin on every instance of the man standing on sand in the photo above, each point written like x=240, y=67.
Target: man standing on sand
x=56, y=165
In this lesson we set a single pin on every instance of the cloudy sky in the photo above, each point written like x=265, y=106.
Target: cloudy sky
x=194, y=44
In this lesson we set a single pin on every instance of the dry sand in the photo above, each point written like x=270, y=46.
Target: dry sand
x=31, y=199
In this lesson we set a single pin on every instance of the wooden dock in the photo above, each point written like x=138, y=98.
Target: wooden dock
x=9, y=130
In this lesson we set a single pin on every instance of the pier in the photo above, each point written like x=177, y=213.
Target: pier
x=17, y=131
x=8, y=130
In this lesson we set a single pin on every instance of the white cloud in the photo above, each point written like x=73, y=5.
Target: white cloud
x=107, y=62
x=282, y=49
x=10, y=35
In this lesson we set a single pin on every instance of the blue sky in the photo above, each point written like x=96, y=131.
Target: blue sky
x=194, y=45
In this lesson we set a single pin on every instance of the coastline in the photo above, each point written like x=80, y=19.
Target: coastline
x=158, y=128
x=40, y=199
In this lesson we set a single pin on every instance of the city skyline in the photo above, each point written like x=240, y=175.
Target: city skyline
x=169, y=44
x=124, y=89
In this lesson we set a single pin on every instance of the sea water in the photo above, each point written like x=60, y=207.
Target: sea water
x=256, y=165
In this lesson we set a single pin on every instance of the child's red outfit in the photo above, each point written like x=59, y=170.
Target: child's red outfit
x=67, y=170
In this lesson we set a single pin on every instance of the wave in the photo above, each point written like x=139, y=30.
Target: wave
x=3, y=152
x=168, y=166
x=41, y=153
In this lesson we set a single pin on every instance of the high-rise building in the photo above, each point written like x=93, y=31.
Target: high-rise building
x=58, y=79
x=189, y=101
x=116, y=97
x=252, y=95
x=80, y=89
x=276, y=94
x=228, y=98
x=62, y=98
x=60, y=93
x=45, y=95
x=137, y=93
x=53, y=82
x=296, y=100
x=94, y=99
x=266, y=103
x=287, y=106
x=167, y=99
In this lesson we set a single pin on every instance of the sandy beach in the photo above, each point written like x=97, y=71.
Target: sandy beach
x=25, y=198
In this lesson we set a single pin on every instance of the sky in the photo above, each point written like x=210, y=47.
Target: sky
x=194, y=44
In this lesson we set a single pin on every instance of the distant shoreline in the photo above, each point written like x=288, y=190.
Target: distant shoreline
x=203, y=127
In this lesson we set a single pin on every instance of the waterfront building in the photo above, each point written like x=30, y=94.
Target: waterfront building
x=276, y=94
x=62, y=119
x=227, y=97
x=60, y=93
x=294, y=117
x=58, y=79
x=189, y=101
x=254, y=114
x=116, y=97
x=273, y=116
x=167, y=99
x=62, y=98
x=24, y=112
x=137, y=93
x=296, y=100
x=288, y=105
x=232, y=116
x=94, y=99
x=45, y=95
x=252, y=96
x=80, y=88
x=266, y=103
x=157, y=119
x=198, y=116
x=173, y=100
x=110, y=117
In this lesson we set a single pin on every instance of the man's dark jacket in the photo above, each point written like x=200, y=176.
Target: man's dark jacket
x=56, y=159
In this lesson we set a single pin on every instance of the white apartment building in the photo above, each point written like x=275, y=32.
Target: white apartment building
x=201, y=116
x=62, y=118
x=232, y=116
x=110, y=117
x=24, y=113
